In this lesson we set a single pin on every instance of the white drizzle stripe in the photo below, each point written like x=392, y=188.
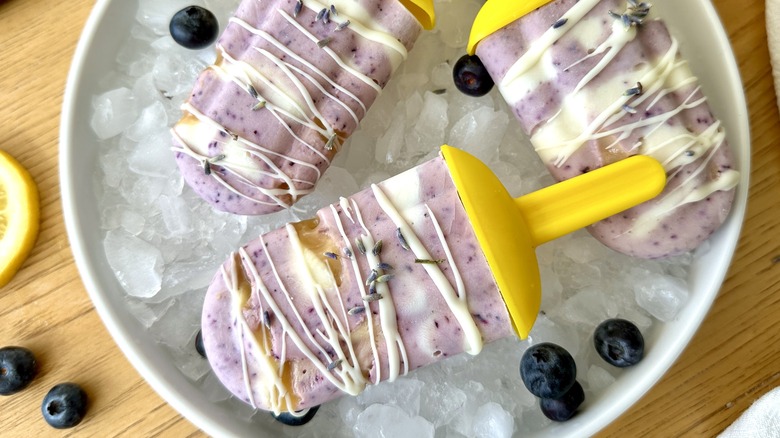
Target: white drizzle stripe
x=257, y=151
x=287, y=328
x=370, y=82
x=682, y=195
x=352, y=380
x=271, y=381
x=359, y=283
x=297, y=57
x=346, y=209
x=356, y=25
x=458, y=306
x=396, y=351
x=301, y=89
x=342, y=325
x=455, y=271
x=289, y=299
x=541, y=45
x=314, y=82
x=303, y=118
x=274, y=109
x=222, y=182
x=613, y=45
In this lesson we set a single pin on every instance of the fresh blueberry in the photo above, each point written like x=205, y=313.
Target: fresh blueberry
x=199, y=344
x=17, y=369
x=64, y=406
x=619, y=342
x=548, y=370
x=194, y=27
x=299, y=419
x=471, y=77
x=561, y=409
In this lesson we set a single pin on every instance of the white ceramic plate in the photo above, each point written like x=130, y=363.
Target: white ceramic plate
x=706, y=46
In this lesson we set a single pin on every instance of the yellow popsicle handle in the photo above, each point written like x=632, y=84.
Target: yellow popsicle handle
x=423, y=11
x=509, y=230
x=586, y=199
x=496, y=14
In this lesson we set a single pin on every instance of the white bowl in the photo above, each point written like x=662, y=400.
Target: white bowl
x=704, y=42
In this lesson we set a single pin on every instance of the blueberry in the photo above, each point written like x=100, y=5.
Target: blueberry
x=563, y=408
x=199, y=344
x=64, y=406
x=17, y=369
x=619, y=342
x=471, y=77
x=548, y=370
x=194, y=27
x=299, y=419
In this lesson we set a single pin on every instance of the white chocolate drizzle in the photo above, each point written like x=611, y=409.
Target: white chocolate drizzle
x=396, y=352
x=455, y=300
x=282, y=90
x=328, y=343
x=571, y=126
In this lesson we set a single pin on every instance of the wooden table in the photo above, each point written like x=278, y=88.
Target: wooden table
x=733, y=359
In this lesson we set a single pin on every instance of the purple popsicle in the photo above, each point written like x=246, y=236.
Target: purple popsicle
x=291, y=83
x=594, y=81
x=381, y=283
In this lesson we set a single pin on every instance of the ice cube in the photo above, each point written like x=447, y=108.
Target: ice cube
x=114, y=111
x=492, y=421
x=441, y=76
x=441, y=402
x=588, y=306
x=662, y=296
x=480, y=132
x=403, y=393
x=454, y=31
x=390, y=422
x=429, y=129
x=153, y=157
x=175, y=214
x=146, y=313
x=136, y=264
x=598, y=378
x=132, y=221
x=389, y=145
x=152, y=120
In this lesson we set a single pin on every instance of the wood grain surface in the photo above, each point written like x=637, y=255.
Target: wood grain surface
x=733, y=359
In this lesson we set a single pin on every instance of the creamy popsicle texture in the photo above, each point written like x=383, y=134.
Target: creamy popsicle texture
x=291, y=82
x=376, y=285
x=594, y=81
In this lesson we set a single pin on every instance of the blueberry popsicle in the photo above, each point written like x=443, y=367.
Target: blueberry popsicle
x=420, y=267
x=292, y=80
x=594, y=81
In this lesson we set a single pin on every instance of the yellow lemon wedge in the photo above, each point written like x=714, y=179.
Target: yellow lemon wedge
x=19, y=216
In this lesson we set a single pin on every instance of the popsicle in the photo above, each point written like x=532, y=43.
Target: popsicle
x=594, y=81
x=434, y=262
x=292, y=80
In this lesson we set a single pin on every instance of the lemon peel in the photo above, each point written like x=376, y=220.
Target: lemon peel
x=19, y=216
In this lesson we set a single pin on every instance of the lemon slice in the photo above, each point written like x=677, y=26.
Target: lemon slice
x=19, y=216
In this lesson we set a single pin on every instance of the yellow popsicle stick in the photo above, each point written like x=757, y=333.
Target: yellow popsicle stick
x=496, y=14
x=422, y=10
x=509, y=230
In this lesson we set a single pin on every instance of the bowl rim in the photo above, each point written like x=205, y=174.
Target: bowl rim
x=178, y=396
